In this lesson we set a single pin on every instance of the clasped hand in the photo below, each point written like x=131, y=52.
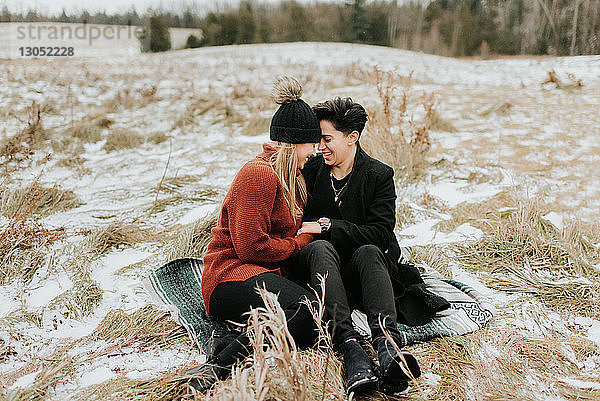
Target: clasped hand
x=310, y=227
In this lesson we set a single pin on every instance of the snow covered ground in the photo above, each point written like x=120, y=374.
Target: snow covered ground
x=510, y=132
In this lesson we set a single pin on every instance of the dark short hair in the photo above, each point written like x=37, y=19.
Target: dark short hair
x=345, y=114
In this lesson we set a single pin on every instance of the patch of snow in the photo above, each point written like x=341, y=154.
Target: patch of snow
x=197, y=213
x=97, y=376
x=41, y=296
x=423, y=233
x=432, y=379
x=115, y=261
x=594, y=331
x=24, y=381
x=8, y=300
x=556, y=219
x=454, y=193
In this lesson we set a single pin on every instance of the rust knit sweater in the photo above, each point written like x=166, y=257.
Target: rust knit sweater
x=255, y=231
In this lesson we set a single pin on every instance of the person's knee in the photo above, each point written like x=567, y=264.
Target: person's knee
x=321, y=247
x=318, y=254
x=368, y=251
x=368, y=256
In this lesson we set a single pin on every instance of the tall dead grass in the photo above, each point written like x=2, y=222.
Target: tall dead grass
x=393, y=136
x=121, y=138
x=277, y=369
x=24, y=241
x=522, y=252
x=18, y=148
x=501, y=363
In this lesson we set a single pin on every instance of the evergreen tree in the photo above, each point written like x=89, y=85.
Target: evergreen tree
x=298, y=24
x=160, y=39
x=468, y=38
x=359, y=22
x=247, y=29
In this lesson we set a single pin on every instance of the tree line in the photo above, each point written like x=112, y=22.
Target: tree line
x=445, y=27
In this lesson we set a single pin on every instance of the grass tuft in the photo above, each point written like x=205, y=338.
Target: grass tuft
x=18, y=148
x=37, y=199
x=118, y=233
x=145, y=328
x=120, y=138
x=192, y=239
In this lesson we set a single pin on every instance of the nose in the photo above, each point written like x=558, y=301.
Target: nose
x=321, y=146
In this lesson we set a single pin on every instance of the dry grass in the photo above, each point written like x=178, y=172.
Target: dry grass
x=37, y=199
x=277, y=369
x=522, y=252
x=435, y=257
x=405, y=215
x=128, y=99
x=393, y=136
x=197, y=109
x=158, y=137
x=145, y=328
x=24, y=241
x=18, y=148
x=165, y=387
x=53, y=370
x=119, y=233
x=179, y=189
x=192, y=240
x=478, y=214
x=121, y=138
x=80, y=301
x=500, y=363
x=86, y=132
x=75, y=162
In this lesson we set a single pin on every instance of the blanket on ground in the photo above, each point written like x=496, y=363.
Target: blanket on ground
x=176, y=287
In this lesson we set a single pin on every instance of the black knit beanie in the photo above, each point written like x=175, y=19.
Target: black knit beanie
x=294, y=121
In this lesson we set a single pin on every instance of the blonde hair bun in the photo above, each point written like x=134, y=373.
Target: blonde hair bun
x=286, y=90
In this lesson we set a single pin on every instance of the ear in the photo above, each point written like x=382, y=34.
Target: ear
x=352, y=138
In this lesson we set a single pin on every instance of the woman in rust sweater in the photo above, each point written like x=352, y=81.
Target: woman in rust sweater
x=257, y=233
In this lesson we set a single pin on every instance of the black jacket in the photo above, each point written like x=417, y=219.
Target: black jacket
x=367, y=215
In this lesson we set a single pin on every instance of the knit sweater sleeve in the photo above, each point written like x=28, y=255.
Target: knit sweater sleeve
x=253, y=194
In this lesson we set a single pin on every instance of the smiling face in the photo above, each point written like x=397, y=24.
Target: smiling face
x=335, y=146
x=303, y=152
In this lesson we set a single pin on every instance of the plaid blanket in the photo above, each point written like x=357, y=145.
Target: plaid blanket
x=176, y=287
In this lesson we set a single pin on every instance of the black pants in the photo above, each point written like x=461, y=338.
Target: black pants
x=231, y=300
x=363, y=282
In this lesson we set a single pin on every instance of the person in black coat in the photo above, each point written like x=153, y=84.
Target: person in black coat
x=351, y=210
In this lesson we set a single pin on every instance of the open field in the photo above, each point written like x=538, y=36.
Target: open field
x=109, y=166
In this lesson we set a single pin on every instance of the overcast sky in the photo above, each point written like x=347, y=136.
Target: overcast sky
x=53, y=7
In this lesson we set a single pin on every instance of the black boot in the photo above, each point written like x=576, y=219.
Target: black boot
x=392, y=367
x=218, y=340
x=219, y=365
x=360, y=372
x=205, y=376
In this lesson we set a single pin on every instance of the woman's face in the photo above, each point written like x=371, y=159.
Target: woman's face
x=304, y=151
x=335, y=146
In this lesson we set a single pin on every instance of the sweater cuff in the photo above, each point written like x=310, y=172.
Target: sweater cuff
x=303, y=239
